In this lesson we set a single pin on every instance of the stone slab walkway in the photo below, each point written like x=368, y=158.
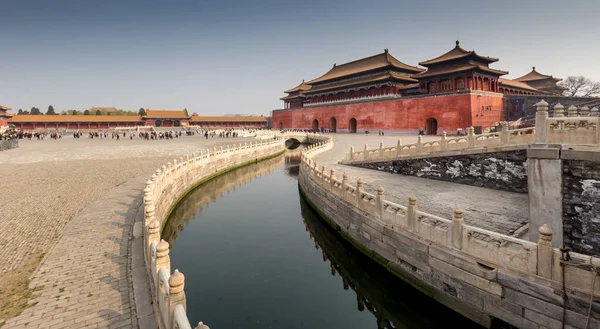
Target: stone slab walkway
x=85, y=280
x=498, y=211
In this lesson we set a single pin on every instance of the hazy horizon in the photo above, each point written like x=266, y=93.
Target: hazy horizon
x=228, y=57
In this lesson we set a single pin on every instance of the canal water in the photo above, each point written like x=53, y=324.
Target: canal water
x=255, y=256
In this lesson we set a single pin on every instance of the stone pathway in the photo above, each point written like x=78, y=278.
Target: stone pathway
x=498, y=211
x=47, y=184
x=84, y=282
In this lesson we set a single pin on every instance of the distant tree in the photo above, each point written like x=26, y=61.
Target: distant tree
x=142, y=112
x=35, y=110
x=50, y=110
x=86, y=112
x=98, y=112
x=25, y=112
x=580, y=86
x=20, y=111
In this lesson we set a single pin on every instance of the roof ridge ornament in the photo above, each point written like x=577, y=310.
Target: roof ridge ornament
x=457, y=43
x=533, y=67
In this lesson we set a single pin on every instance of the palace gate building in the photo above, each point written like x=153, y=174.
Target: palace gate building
x=453, y=91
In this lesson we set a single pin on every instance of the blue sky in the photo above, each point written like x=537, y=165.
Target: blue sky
x=224, y=57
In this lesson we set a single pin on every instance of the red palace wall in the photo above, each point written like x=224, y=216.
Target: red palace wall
x=451, y=112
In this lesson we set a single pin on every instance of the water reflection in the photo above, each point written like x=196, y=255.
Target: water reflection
x=248, y=263
x=394, y=303
x=200, y=198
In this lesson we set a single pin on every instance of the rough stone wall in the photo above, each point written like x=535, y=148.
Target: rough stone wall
x=405, y=114
x=452, y=277
x=5, y=145
x=581, y=206
x=499, y=170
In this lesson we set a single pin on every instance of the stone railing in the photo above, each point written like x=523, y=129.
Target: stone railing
x=470, y=141
x=8, y=144
x=580, y=126
x=486, y=268
x=163, y=191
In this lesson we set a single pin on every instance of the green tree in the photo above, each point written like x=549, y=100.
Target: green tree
x=98, y=112
x=51, y=110
x=142, y=112
x=86, y=112
x=35, y=110
x=20, y=111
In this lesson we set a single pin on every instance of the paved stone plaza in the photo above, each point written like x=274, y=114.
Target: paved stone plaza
x=46, y=185
x=71, y=203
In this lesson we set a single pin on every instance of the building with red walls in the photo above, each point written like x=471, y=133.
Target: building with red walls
x=455, y=90
x=155, y=118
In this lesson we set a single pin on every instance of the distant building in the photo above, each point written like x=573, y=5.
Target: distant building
x=541, y=82
x=453, y=91
x=156, y=118
x=4, y=115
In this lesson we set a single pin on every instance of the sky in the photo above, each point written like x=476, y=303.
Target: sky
x=237, y=57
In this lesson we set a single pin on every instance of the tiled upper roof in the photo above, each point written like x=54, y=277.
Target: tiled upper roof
x=374, y=78
x=366, y=64
x=516, y=84
x=4, y=108
x=166, y=114
x=459, y=68
x=301, y=87
x=455, y=53
x=535, y=75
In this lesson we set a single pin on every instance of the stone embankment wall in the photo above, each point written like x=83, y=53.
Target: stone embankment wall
x=10, y=144
x=506, y=170
x=581, y=211
x=484, y=275
x=168, y=185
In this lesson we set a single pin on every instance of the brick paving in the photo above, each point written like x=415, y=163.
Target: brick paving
x=71, y=199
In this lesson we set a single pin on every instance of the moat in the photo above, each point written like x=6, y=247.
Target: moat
x=256, y=256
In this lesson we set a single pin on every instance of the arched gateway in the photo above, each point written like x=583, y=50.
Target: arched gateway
x=352, y=125
x=315, y=125
x=431, y=126
x=332, y=124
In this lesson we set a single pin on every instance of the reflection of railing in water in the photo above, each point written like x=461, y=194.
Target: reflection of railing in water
x=393, y=303
x=212, y=190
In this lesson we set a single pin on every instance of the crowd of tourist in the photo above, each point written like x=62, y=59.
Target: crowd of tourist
x=130, y=134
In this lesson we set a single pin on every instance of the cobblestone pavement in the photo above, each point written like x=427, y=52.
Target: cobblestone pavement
x=498, y=211
x=51, y=181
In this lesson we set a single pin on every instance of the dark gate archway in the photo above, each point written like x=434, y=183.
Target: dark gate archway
x=431, y=126
x=176, y=123
x=315, y=124
x=332, y=124
x=157, y=123
x=352, y=125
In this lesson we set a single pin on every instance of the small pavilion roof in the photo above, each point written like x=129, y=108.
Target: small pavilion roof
x=516, y=84
x=34, y=118
x=166, y=114
x=535, y=75
x=301, y=87
x=458, y=52
x=366, y=64
x=4, y=108
x=197, y=118
x=459, y=68
x=368, y=79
